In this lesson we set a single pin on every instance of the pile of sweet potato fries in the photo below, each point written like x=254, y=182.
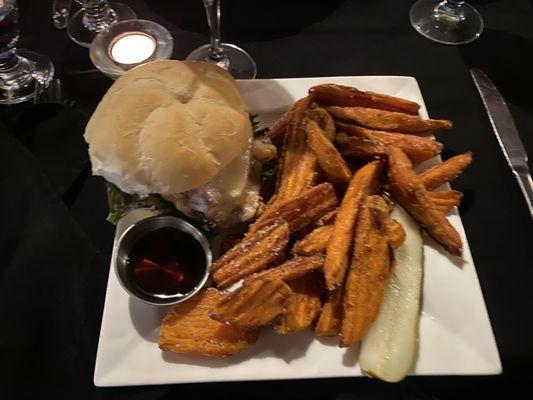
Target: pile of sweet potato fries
x=321, y=253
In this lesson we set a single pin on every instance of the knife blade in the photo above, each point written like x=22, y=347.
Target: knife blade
x=60, y=13
x=505, y=130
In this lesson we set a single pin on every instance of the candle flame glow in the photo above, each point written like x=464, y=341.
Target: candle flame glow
x=132, y=48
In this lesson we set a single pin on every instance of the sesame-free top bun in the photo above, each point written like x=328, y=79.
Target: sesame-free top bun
x=167, y=127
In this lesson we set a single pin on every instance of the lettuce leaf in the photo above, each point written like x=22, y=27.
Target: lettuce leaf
x=121, y=203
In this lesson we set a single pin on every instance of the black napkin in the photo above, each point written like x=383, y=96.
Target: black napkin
x=54, y=135
x=51, y=276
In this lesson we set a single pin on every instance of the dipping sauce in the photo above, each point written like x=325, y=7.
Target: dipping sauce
x=167, y=261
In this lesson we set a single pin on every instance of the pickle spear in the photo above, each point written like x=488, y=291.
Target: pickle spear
x=390, y=347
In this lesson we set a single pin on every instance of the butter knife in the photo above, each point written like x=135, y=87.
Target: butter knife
x=60, y=13
x=506, y=133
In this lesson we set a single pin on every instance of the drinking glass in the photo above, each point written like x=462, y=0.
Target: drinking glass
x=94, y=17
x=448, y=21
x=23, y=73
x=228, y=56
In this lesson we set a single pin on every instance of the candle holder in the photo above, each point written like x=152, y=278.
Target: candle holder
x=94, y=17
x=130, y=43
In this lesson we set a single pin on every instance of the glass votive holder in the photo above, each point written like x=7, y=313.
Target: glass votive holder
x=129, y=43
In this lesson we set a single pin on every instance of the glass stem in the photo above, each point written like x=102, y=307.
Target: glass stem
x=8, y=60
x=450, y=10
x=452, y=5
x=212, y=9
x=15, y=71
x=98, y=16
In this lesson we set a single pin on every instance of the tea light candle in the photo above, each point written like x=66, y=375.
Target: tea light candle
x=127, y=44
x=132, y=47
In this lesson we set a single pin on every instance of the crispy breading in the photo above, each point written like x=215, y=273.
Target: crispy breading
x=291, y=269
x=327, y=155
x=298, y=167
x=446, y=200
x=253, y=305
x=329, y=321
x=345, y=96
x=228, y=242
x=359, y=148
x=447, y=171
x=278, y=129
x=364, y=182
x=411, y=193
x=304, y=304
x=324, y=121
x=395, y=233
x=327, y=218
x=388, y=120
x=369, y=271
x=417, y=148
x=314, y=242
x=188, y=329
x=301, y=210
x=245, y=244
x=253, y=254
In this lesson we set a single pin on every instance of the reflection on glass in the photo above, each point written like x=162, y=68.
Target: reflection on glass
x=94, y=17
x=228, y=56
x=448, y=21
x=127, y=44
x=23, y=73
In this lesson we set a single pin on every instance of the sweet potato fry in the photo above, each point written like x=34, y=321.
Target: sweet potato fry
x=242, y=245
x=301, y=210
x=278, y=129
x=324, y=121
x=445, y=201
x=395, y=233
x=447, y=171
x=328, y=157
x=303, y=306
x=253, y=305
x=369, y=272
x=253, y=254
x=314, y=242
x=188, y=329
x=413, y=196
x=329, y=321
x=417, y=148
x=327, y=218
x=290, y=270
x=298, y=167
x=345, y=96
x=364, y=182
x=359, y=148
x=388, y=120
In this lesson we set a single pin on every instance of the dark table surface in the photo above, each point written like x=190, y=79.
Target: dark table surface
x=55, y=243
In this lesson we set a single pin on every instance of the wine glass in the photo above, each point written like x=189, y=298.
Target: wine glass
x=448, y=21
x=228, y=56
x=23, y=74
x=95, y=16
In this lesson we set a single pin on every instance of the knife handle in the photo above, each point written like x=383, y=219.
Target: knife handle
x=526, y=184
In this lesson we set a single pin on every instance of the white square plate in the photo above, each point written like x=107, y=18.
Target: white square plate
x=455, y=333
